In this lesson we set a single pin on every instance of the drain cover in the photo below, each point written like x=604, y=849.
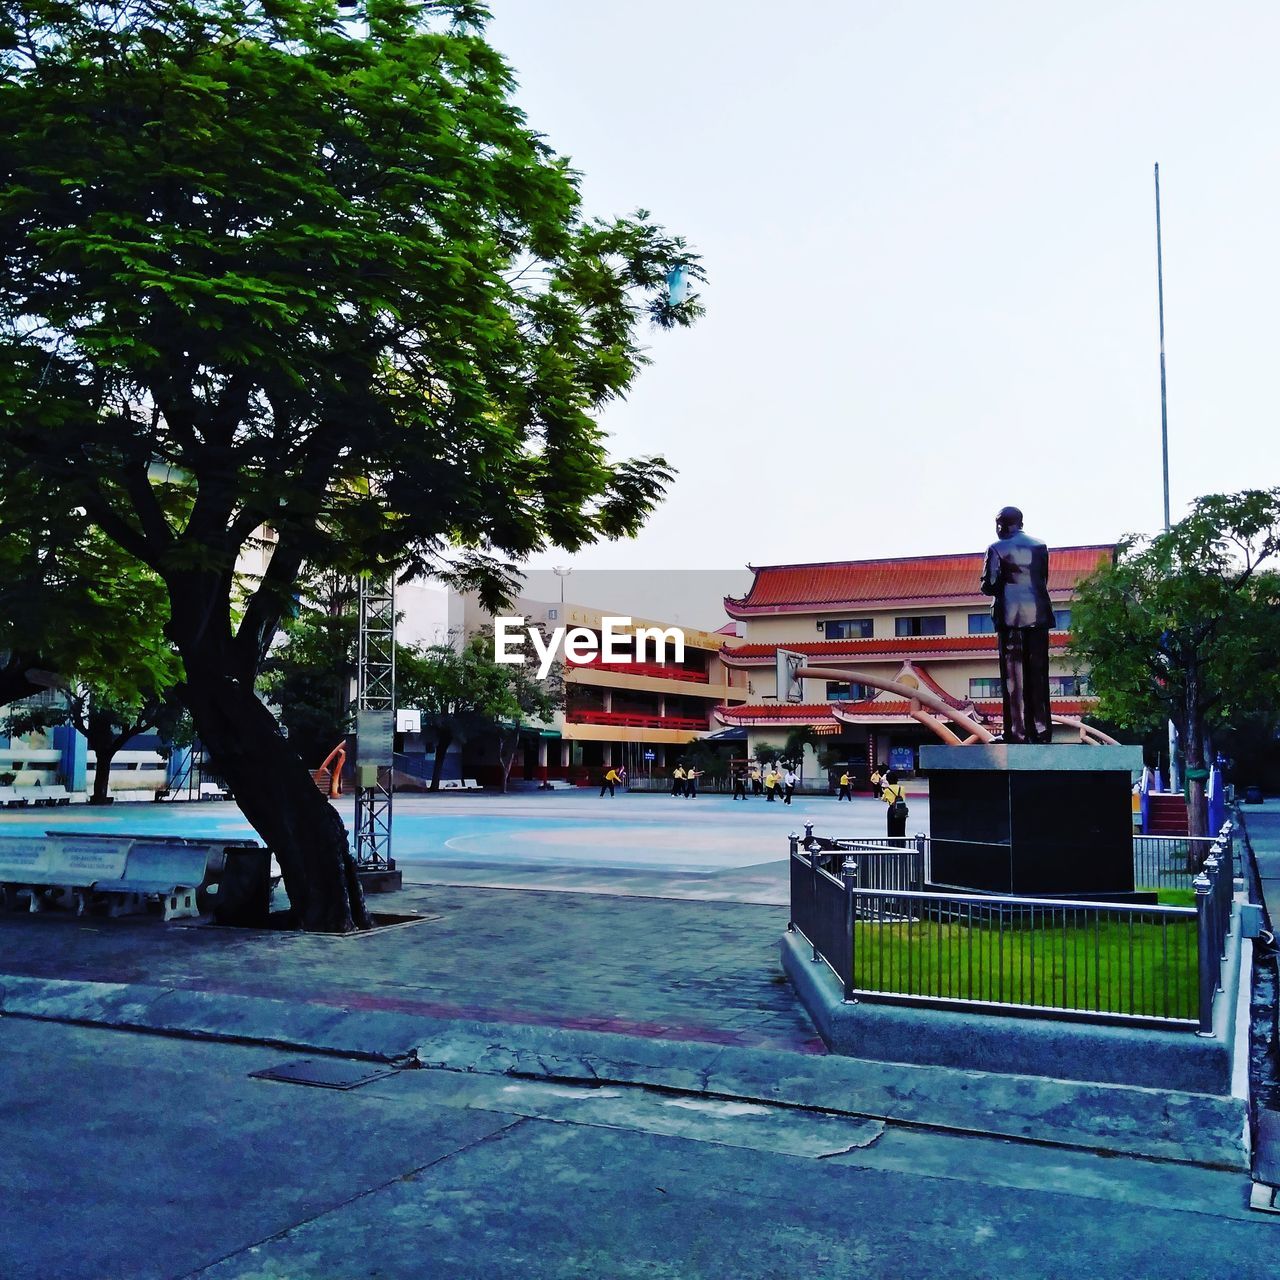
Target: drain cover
x=1266, y=1155
x=325, y=1073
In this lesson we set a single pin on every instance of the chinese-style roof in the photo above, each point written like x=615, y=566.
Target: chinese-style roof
x=820, y=713
x=912, y=580
x=886, y=648
x=794, y=712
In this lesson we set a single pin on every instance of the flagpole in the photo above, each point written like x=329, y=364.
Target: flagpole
x=1164, y=401
x=1174, y=780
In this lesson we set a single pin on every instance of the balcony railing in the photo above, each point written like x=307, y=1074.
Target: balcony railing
x=659, y=670
x=625, y=720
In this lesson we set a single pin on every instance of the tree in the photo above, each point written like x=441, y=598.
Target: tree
x=97, y=619
x=260, y=273
x=706, y=759
x=1185, y=627
x=309, y=675
x=466, y=696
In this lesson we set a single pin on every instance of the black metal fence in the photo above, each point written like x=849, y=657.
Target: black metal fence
x=862, y=907
x=1168, y=862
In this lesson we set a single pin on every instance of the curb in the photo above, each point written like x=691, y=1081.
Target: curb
x=1111, y=1119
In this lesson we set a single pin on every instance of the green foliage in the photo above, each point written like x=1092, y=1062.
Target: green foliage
x=280, y=261
x=309, y=676
x=770, y=752
x=96, y=619
x=797, y=740
x=707, y=758
x=262, y=270
x=466, y=696
x=1185, y=626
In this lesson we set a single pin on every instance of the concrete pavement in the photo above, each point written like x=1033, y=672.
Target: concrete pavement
x=575, y=1084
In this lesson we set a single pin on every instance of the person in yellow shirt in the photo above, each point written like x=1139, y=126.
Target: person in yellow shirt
x=610, y=780
x=770, y=783
x=677, y=781
x=893, y=794
x=845, y=793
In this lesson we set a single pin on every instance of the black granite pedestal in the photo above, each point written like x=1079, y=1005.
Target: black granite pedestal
x=1050, y=821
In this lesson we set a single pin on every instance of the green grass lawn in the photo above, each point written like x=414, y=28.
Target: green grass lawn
x=1070, y=961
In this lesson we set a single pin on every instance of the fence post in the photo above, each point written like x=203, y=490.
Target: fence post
x=1214, y=870
x=922, y=869
x=813, y=887
x=808, y=835
x=793, y=842
x=1227, y=836
x=1206, y=954
x=849, y=874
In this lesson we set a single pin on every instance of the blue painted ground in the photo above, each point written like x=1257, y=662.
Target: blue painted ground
x=565, y=829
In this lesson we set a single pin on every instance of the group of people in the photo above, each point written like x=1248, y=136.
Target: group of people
x=684, y=780
x=771, y=782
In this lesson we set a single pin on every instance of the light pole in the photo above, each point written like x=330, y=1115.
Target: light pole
x=1164, y=445
x=562, y=572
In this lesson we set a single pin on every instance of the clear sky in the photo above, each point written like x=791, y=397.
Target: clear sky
x=930, y=234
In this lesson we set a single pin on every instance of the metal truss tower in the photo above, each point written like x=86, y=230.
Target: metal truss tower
x=375, y=723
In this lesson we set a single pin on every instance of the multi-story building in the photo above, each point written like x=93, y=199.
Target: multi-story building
x=620, y=712
x=920, y=621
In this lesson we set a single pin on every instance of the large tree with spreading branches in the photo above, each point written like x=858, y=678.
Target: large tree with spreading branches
x=265, y=268
x=1185, y=626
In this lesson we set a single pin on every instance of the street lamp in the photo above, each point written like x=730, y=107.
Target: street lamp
x=562, y=572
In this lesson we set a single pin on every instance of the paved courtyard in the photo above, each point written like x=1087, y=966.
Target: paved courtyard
x=710, y=847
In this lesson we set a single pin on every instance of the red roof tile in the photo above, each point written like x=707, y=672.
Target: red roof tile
x=887, y=647
x=851, y=584
x=823, y=712
x=803, y=712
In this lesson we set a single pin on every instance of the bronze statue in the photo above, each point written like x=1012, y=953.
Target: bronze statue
x=1017, y=575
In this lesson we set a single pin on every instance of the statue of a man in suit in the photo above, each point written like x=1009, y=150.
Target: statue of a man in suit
x=1017, y=575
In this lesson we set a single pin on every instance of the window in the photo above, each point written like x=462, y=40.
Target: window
x=981, y=624
x=848, y=629
x=1068, y=686
x=1062, y=619
x=929, y=624
x=986, y=687
x=847, y=692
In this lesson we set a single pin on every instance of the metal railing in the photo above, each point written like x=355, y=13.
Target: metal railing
x=866, y=915
x=1168, y=862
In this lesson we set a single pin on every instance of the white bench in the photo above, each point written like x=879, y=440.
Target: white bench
x=459, y=784
x=128, y=873
x=10, y=798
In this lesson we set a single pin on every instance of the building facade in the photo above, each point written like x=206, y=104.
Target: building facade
x=640, y=711
x=920, y=621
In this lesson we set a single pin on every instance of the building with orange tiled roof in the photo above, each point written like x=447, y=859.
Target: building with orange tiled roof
x=919, y=620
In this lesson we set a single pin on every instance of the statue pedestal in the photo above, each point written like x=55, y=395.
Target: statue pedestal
x=1049, y=821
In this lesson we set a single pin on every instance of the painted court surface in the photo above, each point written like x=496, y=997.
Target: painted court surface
x=707, y=847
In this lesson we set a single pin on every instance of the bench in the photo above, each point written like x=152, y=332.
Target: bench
x=10, y=798
x=39, y=793
x=126, y=874
x=51, y=795
x=459, y=784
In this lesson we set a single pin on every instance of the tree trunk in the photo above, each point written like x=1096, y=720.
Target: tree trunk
x=104, y=744
x=1193, y=759
x=102, y=773
x=275, y=792
x=444, y=740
